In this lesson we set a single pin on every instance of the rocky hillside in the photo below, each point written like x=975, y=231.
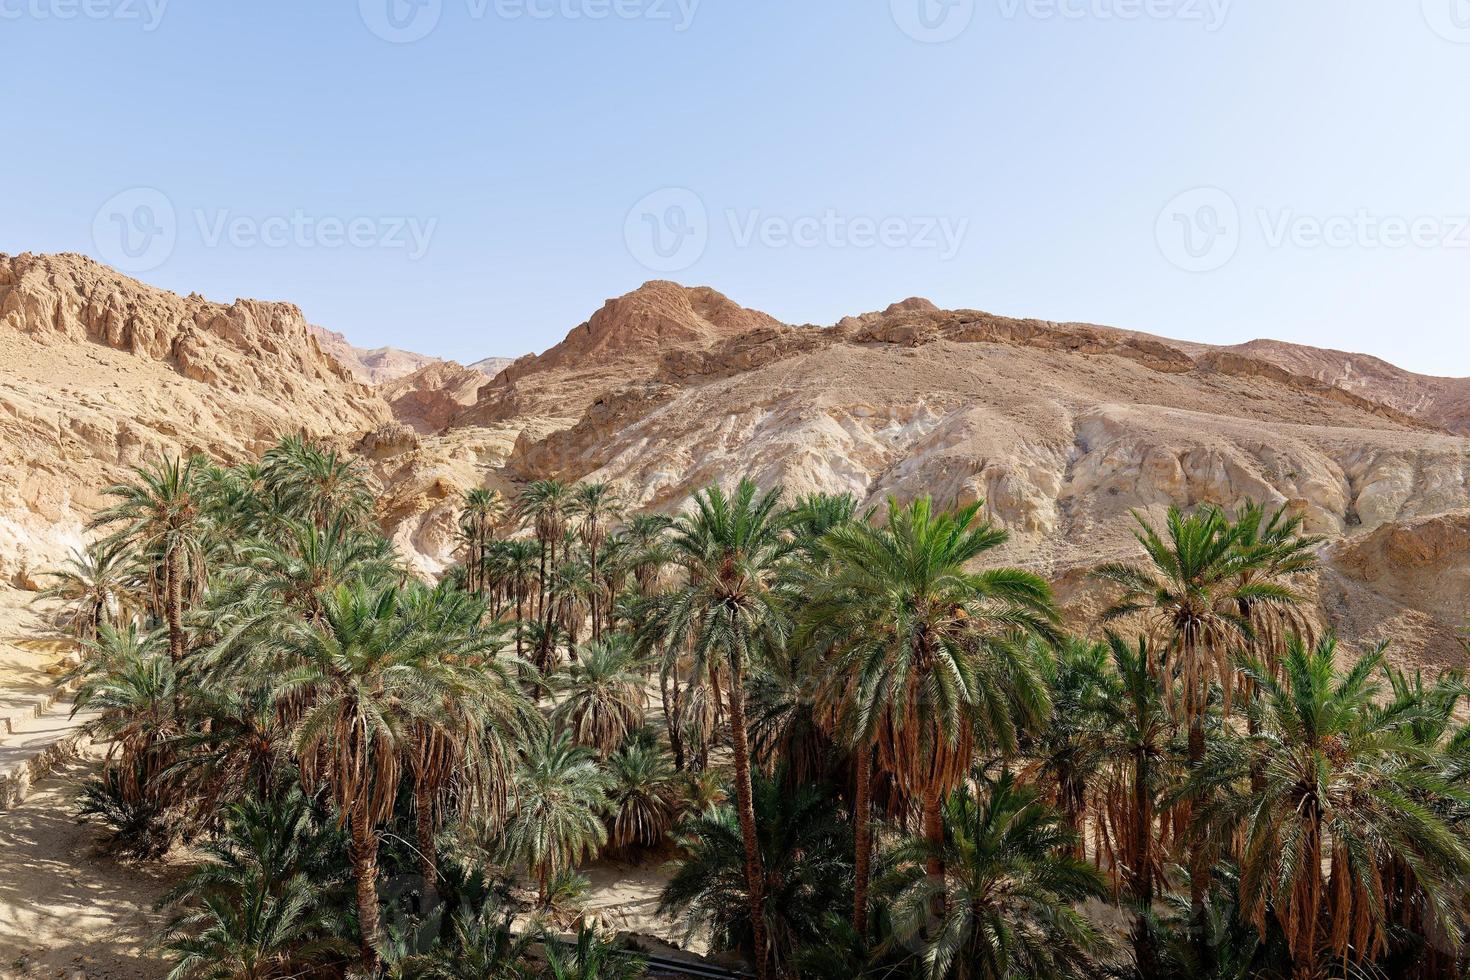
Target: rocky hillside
x=1063, y=429
x=372, y=367
x=1443, y=401
x=99, y=372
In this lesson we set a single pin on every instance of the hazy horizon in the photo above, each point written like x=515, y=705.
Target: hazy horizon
x=473, y=178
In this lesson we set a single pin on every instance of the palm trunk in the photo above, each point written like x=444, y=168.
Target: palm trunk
x=934, y=835
x=1199, y=865
x=364, y=853
x=1145, y=956
x=754, y=871
x=428, y=852
x=173, y=602
x=863, y=825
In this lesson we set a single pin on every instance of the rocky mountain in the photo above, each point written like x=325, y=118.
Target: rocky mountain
x=1063, y=429
x=371, y=367
x=99, y=372
x=491, y=366
x=1443, y=401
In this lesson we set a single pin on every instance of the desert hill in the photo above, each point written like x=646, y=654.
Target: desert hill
x=1063, y=429
x=376, y=366
x=99, y=372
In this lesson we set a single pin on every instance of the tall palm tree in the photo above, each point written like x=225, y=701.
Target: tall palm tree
x=160, y=515
x=731, y=550
x=1071, y=752
x=1012, y=888
x=1138, y=732
x=95, y=587
x=483, y=509
x=806, y=850
x=596, y=507
x=556, y=821
x=1349, y=790
x=603, y=697
x=544, y=506
x=1190, y=593
x=354, y=687
x=464, y=746
x=926, y=659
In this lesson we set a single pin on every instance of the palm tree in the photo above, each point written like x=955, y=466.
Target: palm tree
x=464, y=746
x=556, y=820
x=263, y=904
x=1349, y=790
x=544, y=506
x=731, y=549
x=353, y=685
x=1072, y=751
x=1138, y=731
x=1011, y=888
x=96, y=587
x=483, y=509
x=315, y=484
x=806, y=850
x=603, y=696
x=591, y=957
x=597, y=508
x=644, y=794
x=161, y=516
x=1190, y=593
x=926, y=661
x=135, y=690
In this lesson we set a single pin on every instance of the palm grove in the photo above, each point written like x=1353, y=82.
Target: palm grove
x=861, y=748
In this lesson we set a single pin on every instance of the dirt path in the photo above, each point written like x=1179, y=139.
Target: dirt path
x=66, y=912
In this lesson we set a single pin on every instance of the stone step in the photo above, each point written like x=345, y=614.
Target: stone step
x=37, y=744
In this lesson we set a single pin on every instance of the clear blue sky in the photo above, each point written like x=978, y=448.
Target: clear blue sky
x=817, y=150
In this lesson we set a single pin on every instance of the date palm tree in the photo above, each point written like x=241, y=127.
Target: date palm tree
x=603, y=696
x=556, y=821
x=806, y=850
x=483, y=509
x=161, y=516
x=95, y=587
x=354, y=686
x=1350, y=789
x=596, y=507
x=644, y=794
x=1011, y=889
x=314, y=484
x=1190, y=593
x=1138, y=730
x=928, y=659
x=731, y=549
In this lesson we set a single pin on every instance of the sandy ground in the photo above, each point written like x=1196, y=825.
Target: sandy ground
x=66, y=911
